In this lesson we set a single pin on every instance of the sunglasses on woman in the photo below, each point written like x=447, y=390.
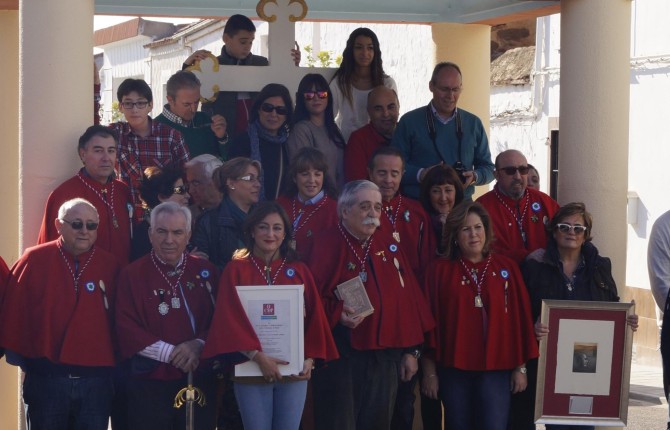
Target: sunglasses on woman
x=179, y=190
x=267, y=107
x=310, y=95
x=565, y=228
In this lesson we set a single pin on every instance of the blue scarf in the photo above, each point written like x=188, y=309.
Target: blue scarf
x=258, y=133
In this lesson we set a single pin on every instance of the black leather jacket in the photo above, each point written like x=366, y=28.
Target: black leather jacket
x=218, y=235
x=544, y=278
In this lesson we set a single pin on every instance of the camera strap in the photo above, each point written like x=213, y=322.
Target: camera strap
x=430, y=122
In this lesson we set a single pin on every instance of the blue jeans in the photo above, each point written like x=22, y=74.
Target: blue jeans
x=276, y=406
x=63, y=403
x=475, y=400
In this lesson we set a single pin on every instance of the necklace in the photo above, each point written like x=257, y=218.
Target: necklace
x=267, y=273
x=75, y=274
x=297, y=225
x=115, y=222
x=363, y=274
x=175, y=302
x=519, y=220
x=477, y=280
x=393, y=219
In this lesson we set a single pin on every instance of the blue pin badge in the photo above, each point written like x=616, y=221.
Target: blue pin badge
x=393, y=247
x=406, y=216
x=90, y=286
x=290, y=272
x=204, y=273
x=536, y=206
x=504, y=273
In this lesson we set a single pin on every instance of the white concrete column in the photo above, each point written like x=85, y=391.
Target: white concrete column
x=9, y=135
x=9, y=177
x=55, y=99
x=469, y=46
x=594, y=113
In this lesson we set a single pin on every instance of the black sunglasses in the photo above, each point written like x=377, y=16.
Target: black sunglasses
x=511, y=171
x=179, y=190
x=267, y=107
x=78, y=225
x=565, y=228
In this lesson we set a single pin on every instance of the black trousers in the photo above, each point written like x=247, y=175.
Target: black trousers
x=522, y=406
x=151, y=404
x=357, y=391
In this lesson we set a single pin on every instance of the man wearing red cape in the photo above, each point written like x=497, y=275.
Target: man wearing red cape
x=358, y=390
x=55, y=323
x=95, y=182
x=163, y=311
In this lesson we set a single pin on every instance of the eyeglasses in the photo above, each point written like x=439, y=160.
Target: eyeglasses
x=179, y=190
x=310, y=95
x=267, y=107
x=78, y=225
x=565, y=228
x=511, y=171
x=249, y=178
x=140, y=105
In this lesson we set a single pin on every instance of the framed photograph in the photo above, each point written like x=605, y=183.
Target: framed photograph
x=584, y=367
x=277, y=315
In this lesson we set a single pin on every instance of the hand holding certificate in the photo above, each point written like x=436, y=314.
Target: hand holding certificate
x=277, y=315
x=353, y=293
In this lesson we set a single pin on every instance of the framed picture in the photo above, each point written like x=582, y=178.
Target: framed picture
x=277, y=315
x=584, y=367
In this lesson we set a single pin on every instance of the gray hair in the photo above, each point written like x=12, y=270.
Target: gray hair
x=209, y=163
x=349, y=197
x=65, y=207
x=170, y=208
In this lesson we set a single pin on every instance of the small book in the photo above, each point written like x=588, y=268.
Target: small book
x=353, y=293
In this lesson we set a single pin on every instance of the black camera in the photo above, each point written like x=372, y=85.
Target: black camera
x=460, y=169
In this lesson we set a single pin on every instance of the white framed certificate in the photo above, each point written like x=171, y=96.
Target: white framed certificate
x=276, y=312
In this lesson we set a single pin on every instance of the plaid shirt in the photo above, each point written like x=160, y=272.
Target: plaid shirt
x=163, y=147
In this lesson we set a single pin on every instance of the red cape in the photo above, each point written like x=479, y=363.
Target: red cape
x=417, y=239
x=508, y=241
x=231, y=330
x=401, y=315
x=311, y=223
x=138, y=321
x=110, y=238
x=458, y=339
x=358, y=151
x=42, y=317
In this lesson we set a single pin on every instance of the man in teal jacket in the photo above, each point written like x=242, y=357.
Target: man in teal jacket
x=442, y=133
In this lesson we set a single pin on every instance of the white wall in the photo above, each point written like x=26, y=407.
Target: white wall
x=407, y=52
x=124, y=59
x=649, y=148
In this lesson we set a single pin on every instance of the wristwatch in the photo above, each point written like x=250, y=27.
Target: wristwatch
x=522, y=369
x=415, y=353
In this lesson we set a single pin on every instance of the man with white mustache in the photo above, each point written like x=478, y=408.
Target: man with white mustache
x=358, y=390
x=519, y=213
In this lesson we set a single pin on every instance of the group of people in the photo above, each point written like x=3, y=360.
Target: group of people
x=131, y=292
